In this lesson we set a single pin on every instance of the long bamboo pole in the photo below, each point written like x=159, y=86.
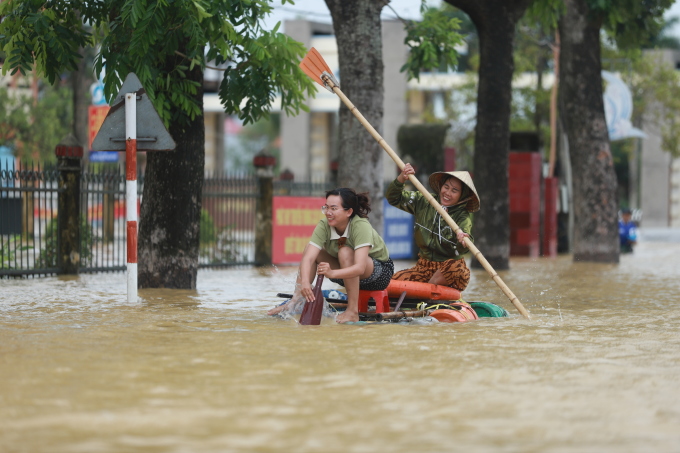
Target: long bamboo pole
x=475, y=251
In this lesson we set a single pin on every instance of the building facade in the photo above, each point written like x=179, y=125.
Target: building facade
x=659, y=170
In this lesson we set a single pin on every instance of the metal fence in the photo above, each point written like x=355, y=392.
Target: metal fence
x=103, y=228
x=28, y=207
x=29, y=204
x=302, y=189
x=227, y=235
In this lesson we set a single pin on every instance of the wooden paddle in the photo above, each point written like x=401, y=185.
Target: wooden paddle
x=312, y=311
x=316, y=68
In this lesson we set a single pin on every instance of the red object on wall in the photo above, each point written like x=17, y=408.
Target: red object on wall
x=262, y=160
x=550, y=194
x=524, y=187
x=293, y=222
x=96, y=115
x=450, y=159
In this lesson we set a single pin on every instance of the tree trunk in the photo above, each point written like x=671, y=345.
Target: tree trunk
x=358, y=35
x=594, y=179
x=81, y=79
x=171, y=206
x=495, y=21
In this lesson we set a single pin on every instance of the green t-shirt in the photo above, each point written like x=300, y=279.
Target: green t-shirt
x=359, y=233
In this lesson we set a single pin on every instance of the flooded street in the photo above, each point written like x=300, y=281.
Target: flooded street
x=596, y=369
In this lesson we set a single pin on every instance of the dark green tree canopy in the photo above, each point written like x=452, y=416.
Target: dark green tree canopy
x=160, y=41
x=432, y=41
x=423, y=144
x=631, y=23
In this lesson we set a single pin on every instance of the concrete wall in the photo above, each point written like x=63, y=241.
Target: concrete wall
x=654, y=179
x=658, y=175
x=675, y=194
x=214, y=141
x=396, y=89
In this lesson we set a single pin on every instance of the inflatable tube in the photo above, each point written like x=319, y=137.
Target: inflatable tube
x=446, y=315
x=422, y=291
x=488, y=310
x=466, y=310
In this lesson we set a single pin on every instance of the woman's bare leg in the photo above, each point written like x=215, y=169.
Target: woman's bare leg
x=346, y=258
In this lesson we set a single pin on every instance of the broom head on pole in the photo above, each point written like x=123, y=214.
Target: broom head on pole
x=314, y=66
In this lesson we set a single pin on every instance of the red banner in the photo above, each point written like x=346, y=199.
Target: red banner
x=97, y=113
x=294, y=219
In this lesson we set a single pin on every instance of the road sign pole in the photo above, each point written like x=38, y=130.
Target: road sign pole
x=131, y=193
x=152, y=136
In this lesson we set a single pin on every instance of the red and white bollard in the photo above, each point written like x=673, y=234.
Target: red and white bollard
x=131, y=192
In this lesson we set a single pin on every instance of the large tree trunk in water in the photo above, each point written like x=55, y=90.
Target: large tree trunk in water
x=495, y=21
x=171, y=206
x=595, y=201
x=358, y=35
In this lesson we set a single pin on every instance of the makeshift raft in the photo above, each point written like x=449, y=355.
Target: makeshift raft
x=406, y=300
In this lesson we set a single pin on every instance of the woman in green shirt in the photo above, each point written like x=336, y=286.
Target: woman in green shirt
x=345, y=248
x=441, y=252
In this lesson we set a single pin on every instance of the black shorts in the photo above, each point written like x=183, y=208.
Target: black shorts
x=378, y=280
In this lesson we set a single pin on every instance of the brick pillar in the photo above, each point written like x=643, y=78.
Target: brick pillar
x=264, y=170
x=449, y=159
x=69, y=155
x=525, y=203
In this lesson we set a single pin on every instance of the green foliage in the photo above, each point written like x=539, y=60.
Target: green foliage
x=226, y=248
x=48, y=36
x=51, y=121
x=664, y=39
x=48, y=255
x=423, y=146
x=208, y=233
x=217, y=246
x=631, y=23
x=250, y=140
x=161, y=42
x=655, y=87
x=14, y=118
x=469, y=60
x=9, y=246
x=533, y=46
x=622, y=150
x=35, y=127
x=432, y=42
x=545, y=13
x=525, y=104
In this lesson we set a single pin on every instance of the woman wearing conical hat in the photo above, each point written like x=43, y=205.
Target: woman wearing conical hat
x=441, y=252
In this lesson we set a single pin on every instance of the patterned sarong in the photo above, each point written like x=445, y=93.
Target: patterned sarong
x=455, y=272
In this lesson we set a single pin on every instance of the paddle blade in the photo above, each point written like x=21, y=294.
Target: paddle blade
x=314, y=65
x=312, y=312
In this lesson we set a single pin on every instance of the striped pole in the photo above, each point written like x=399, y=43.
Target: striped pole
x=131, y=193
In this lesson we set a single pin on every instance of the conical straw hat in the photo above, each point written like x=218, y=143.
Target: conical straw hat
x=464, y=176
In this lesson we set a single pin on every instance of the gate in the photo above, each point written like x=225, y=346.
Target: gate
x=228, y=220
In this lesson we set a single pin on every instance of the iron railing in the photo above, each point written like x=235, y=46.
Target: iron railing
x=103, y=229
x=29, y=232
x=227, y=235
x=28, y=209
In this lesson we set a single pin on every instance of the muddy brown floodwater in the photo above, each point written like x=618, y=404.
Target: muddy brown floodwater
x=597, y=369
